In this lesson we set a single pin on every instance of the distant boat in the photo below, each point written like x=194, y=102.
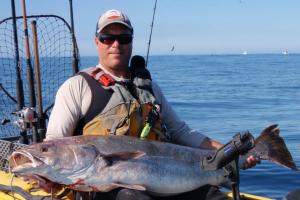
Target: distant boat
x=285, y=52
x=245, y=53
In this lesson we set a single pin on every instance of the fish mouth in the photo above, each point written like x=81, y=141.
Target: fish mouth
x=21, y=160
x=23, y=163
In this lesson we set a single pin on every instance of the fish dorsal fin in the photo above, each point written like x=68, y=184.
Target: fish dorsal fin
x=125, y=155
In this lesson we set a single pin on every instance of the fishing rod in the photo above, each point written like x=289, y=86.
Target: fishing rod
x=8, y=94
x=149, y=43
x=41, y=118
x=29, y=70
x=75, y=50
x=19, y=83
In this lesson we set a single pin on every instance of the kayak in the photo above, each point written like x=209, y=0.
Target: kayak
x=245, y=196
x=12, y=188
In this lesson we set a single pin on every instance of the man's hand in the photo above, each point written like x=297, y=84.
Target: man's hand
x=251, y=161
x=46, y=186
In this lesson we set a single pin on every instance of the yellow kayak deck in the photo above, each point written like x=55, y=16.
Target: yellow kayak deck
x=245, y=196
x=14, y=188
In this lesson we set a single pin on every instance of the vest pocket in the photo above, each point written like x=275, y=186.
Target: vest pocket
x=119, y=120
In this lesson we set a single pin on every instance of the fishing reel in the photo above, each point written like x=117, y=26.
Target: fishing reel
x=25, y=118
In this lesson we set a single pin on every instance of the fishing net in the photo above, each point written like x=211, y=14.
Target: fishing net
x=57, y=52
x=6, y=148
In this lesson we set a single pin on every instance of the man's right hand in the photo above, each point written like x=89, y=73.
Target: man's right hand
x=48, y=186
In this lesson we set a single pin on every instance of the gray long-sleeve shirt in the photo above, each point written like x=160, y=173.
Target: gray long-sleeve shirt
x=74, y=98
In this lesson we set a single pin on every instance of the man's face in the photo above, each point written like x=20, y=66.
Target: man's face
x=114, y=56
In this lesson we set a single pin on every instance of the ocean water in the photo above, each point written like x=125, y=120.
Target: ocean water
x=221, y=95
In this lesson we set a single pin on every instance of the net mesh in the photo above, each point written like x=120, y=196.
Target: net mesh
x=6, y=148
x=56, y=52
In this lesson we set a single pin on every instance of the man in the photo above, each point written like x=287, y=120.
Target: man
x=113, y=98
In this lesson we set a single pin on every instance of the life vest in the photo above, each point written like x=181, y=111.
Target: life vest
x=117, y=111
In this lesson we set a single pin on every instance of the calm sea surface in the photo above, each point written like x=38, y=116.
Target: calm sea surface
x=223, y=95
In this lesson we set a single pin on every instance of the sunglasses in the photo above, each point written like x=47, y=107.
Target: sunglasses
x=109, y=39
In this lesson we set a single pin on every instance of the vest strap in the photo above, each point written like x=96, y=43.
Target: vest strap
x=100, y=95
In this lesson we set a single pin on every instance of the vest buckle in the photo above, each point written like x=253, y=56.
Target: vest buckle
x=106, y=80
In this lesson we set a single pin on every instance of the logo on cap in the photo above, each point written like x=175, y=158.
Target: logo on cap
x=114, y=17
x=113, y=14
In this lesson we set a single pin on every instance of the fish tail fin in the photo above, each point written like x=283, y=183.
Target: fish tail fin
x=270, y=146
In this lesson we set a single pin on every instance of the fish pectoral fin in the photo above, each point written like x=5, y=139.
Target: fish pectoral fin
x=111, y=186
x=132, y=187
x=126, y=155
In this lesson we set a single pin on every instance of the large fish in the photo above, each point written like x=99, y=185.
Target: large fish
x=103, y=163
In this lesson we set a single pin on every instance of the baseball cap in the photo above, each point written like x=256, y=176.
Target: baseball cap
x=110, y=17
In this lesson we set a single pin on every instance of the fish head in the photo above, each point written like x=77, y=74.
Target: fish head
x=52, y=160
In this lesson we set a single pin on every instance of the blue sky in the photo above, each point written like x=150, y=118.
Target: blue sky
x=191, y=26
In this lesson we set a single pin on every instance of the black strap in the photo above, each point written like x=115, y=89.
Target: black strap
x=100, y=98
x=234, y=178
